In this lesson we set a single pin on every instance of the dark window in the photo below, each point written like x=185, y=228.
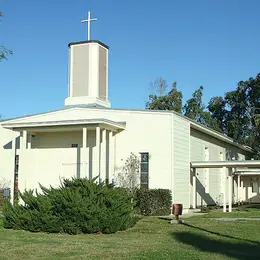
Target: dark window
x=144, y=178
x=74, y=145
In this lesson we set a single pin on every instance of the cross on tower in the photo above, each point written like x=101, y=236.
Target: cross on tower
x=88, y=21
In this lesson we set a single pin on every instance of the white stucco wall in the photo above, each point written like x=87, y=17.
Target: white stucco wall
x=7, y=157
x=168, y=138
x=145, y=132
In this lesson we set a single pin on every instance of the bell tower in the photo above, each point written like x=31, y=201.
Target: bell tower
x=88, y=72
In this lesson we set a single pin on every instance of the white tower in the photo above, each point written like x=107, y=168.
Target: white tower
x=88, y=72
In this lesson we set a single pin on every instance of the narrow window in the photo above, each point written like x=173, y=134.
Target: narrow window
x=144, y=178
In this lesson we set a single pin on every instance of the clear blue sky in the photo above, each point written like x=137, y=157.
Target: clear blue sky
x=202, y=42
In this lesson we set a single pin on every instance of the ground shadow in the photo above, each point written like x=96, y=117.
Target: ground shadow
x=203, y=195
x=221, y=235
x=202, y=192
x=235, y=249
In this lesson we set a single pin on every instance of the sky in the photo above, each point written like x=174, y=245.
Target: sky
x=204, y=42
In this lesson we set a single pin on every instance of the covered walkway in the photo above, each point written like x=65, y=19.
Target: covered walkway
x=229, y=170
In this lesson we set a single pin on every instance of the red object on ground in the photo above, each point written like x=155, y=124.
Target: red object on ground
x=177, y=209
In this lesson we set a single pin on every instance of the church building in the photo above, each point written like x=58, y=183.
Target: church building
x=89, y=138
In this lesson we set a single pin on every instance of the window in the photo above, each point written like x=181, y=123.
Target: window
x=74, y=145
x=144, y=178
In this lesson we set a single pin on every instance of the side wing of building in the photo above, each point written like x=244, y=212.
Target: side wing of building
x=210, y=181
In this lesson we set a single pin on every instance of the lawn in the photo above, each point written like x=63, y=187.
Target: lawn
x=199, y=238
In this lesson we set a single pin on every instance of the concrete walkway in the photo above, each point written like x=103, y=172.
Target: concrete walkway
x=235, y=219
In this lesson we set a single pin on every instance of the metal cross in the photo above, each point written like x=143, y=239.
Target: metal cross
x=88, y=21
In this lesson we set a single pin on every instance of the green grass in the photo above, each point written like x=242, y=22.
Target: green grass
x=199, y=238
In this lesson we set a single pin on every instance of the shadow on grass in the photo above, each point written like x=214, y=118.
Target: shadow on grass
x=241, y=249
x=237, y=250
x=222, y=235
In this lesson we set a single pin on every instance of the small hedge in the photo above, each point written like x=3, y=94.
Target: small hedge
x=153, y=202
x=77, y=206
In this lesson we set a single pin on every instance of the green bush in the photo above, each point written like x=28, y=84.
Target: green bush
x=77, y=206
x=153, y=202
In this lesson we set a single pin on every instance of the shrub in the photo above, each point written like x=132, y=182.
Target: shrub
x=3, y=184
x=153, y=202
x=77, y=206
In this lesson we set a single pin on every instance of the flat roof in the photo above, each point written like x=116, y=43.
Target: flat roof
x=90, y=41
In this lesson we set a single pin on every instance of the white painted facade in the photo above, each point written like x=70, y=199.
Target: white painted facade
x=46, y=152
x=88, y=142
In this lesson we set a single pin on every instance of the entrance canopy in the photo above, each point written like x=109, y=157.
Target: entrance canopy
x=65, y=125
x=246, y=167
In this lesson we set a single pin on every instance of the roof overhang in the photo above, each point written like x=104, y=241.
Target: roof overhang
x=219, y=136
x=228, y=164
x=65, y=124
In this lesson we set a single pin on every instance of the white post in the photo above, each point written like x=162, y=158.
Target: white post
x=84, y=152
x=24, y=142
x=242, y=192
x=98, y=150
x=22, y=161
x=13, y=173
x=238, y=189
x=111, y=156
x=224, y=189
x=29, y=145
x=194, y=181
x=230, y=189
x=103, y=155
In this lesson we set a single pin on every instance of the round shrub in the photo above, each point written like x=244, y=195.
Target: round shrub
x=77, y=206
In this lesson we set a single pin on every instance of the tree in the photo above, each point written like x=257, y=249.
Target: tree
x=3, y=51
x=236, y=114
x=195, y=109
x=129, y=178
x=218, y=113
x=171, y=101
x=159, y=86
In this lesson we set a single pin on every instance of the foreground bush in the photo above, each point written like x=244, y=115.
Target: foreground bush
x=153, y=202
x=78, y=206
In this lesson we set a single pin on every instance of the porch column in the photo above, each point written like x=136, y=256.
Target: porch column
x=194, y=182
x=230, y=189
x=24, y=140
x=103, y=160
x=29, y=143
x=84, y=152
x=98, y=151
x=22, y=160
x=111, y=171
x=242, y=190
x=224, y=174
x=12, y=188
x=238, y=189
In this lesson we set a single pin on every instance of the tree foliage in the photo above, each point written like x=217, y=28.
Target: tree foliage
x=171, y=101
x=4, y=52
x=235, y=114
